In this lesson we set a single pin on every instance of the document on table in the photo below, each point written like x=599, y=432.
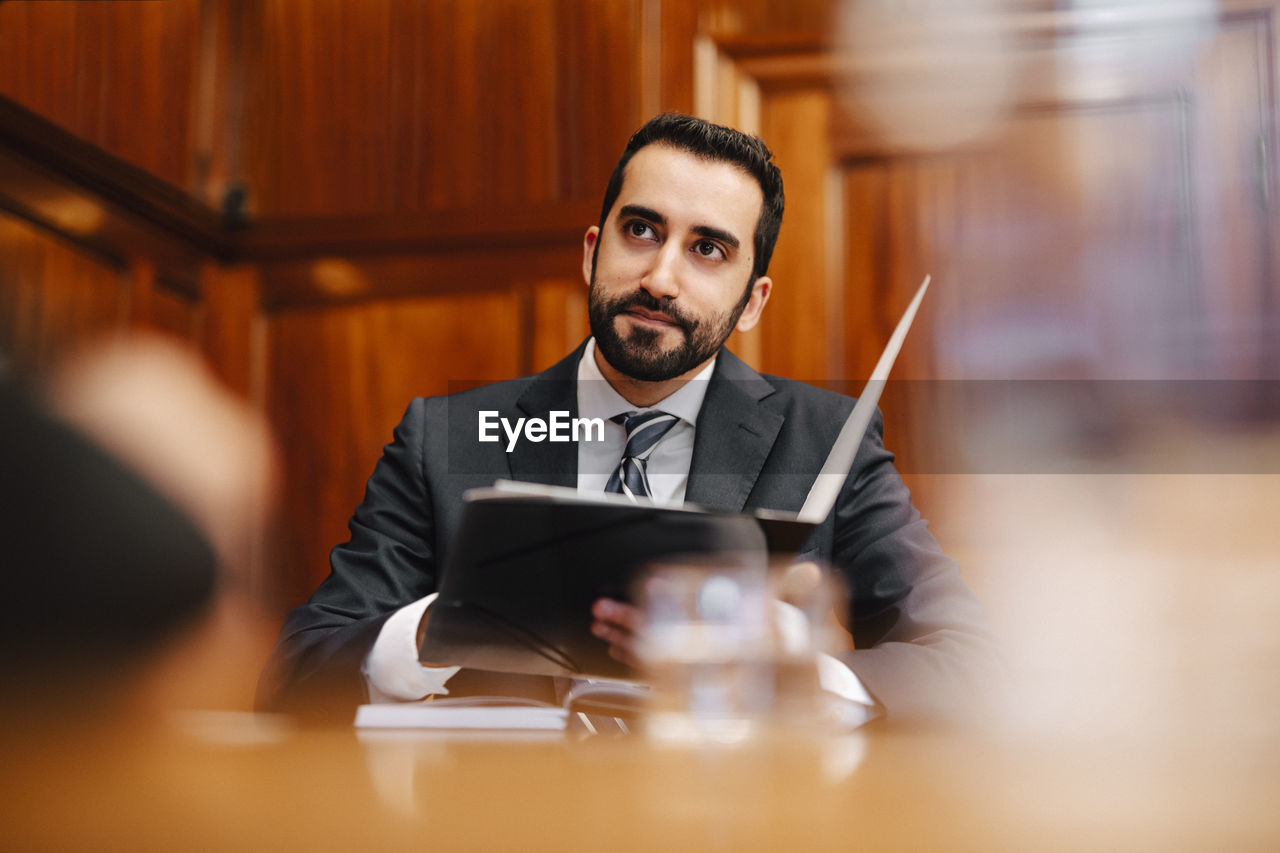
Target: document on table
x=494, y=713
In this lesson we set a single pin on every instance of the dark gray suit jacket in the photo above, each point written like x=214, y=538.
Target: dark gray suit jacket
x=922, y=645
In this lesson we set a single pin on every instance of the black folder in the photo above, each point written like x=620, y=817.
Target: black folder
x=517, y=589
x=525, y=567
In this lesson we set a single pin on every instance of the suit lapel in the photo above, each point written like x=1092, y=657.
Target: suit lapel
x=551, y=462
x=734, y=436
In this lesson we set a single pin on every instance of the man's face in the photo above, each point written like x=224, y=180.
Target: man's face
x=668, y=273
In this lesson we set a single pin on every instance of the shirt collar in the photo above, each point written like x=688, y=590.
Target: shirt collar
x=597, y=399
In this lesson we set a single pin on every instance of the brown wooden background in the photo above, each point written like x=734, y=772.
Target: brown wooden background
x=348, y=203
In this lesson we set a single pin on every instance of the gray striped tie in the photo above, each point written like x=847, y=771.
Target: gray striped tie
x=644, y=431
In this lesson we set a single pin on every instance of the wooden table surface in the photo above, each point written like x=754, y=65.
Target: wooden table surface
x=239, y=782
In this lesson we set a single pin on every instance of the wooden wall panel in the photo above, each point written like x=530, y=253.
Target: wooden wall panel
x=340, y=379
x=558, y=319
x=56, y=297
x=229, y=325
x=175, y=314
x=367, y=106
x=52, y=297
x=795, y=125
x=765, y=20
x=119, y=74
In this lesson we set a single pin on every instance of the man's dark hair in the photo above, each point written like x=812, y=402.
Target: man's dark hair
x=712, y=142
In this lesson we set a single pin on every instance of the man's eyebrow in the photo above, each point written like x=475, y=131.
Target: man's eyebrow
x=717, y=234
x=641, y=212
x=650, y=215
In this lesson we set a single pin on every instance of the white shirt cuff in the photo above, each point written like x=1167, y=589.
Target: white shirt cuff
x=838, y=680
x=391, y=671
x=833, y=676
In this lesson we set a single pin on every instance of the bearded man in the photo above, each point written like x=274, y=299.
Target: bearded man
x=677, y=261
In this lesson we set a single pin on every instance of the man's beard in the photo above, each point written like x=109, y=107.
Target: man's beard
x=640, y=355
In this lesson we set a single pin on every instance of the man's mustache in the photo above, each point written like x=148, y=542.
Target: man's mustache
x=643, y=299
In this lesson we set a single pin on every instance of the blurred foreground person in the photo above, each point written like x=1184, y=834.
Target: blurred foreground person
x=122, y=489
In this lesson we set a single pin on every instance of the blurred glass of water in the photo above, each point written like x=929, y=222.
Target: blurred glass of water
x=728, y=646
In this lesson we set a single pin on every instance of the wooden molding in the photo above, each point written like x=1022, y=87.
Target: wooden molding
x=120, y=213
x=45, y=163
x=280, y=239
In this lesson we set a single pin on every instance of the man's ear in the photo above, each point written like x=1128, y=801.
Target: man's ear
x=760, y=291
x=589, y=252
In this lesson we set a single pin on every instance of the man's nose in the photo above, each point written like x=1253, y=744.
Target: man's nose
x=662, y=278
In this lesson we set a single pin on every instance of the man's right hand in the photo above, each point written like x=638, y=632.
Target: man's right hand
x=618, y=624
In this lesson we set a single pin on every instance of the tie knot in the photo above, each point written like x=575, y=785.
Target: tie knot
x=644, y=430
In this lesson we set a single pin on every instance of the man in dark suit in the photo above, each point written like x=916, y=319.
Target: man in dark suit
x=676, y=263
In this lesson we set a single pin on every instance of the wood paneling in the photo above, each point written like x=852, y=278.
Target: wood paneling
x=118, y=75
x=175, y=314
x=397, y=106
x=52, y=297
x=494, y=229
x=105, y=204
x=559, y=320
x=340, y=379
x=56, y=297
x=229, y=327
x=768, y=21
x=339, y=280
x=795, y=124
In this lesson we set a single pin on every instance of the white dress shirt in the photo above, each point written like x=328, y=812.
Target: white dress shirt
x=392, y=671
x=668, y=465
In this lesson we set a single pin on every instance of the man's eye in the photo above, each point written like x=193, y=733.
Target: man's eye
x=708, y=249
x=639, y=229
